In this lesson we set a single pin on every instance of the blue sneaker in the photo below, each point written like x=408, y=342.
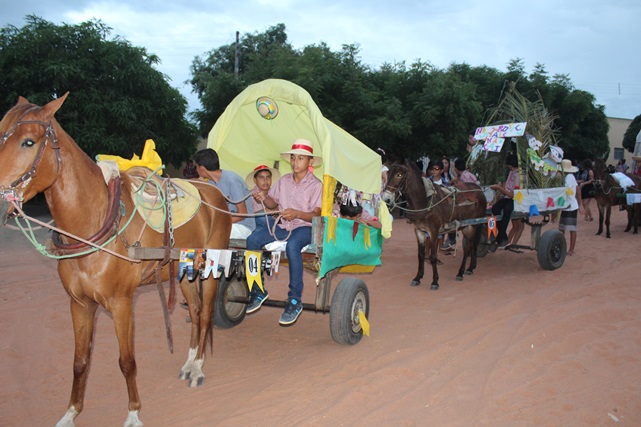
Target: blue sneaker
x=293, y=309
x=256, y=299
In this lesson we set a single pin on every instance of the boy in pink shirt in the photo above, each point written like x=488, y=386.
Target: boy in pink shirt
x=298, y=198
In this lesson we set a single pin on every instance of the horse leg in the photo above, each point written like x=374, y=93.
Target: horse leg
x=472, y=239
x=209, y=288
x=608, y=211
x=83, y=319
x=122, y=312
x=628, y=211
x=434, y=260
x=190, y=292
x=420, y=240
x=466, y=246
x=634, y=211
x=600, y=207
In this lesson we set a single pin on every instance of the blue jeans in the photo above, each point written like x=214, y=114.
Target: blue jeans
x=299, y=238
x=264, y=221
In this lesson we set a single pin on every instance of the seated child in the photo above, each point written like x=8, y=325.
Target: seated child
x=356, y=213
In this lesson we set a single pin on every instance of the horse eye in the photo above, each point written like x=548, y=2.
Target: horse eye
x=28, y=143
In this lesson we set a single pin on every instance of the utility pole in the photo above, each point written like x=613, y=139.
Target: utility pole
x=237, y=54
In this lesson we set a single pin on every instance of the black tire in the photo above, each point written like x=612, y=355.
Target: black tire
x=229, y=314
x=551, y=250
x=484, y=243
x=350, y=297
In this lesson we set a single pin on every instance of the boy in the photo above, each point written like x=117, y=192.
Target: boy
x=569, y=215
x=298, y=197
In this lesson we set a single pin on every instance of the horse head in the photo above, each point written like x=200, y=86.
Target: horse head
x=405, y=182
x=601, y=174
x=395, y=186
x=26, y=166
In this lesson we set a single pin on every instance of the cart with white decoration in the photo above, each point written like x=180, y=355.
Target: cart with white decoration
x=526, y=129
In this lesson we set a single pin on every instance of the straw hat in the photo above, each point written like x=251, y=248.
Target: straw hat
x=304, y=147
x=568, y=167
x=250, y=178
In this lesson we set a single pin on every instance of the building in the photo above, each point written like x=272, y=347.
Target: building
x=615, y=137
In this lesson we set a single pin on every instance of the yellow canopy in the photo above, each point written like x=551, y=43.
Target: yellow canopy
x=264, y=120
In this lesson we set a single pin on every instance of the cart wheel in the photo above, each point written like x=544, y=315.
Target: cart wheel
x=229, y=314
x=484, y=243
x=551, y=250
x=350, y=297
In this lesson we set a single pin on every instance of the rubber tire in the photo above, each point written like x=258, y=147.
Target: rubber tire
x=350, y=297
x=551, y=250
x=230, y=314
x=484, y=242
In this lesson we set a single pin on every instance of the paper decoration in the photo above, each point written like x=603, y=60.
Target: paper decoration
x=493, y=144
x=354, y=230
x=491, y=227
x=569, y=192
x=534, y=211
x=331, y=229
x=253, y=260
x=534, y=143
x=500, y=131
x=186, y=263
x=211, y=265
x=364, y=322
x=550, y=203
x=275, y=262
x=560, y=201
x=518, y=196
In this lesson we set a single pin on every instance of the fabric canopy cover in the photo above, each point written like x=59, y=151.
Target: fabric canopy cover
x=244, y=136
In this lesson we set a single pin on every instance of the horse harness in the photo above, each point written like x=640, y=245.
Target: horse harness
x=115, y=209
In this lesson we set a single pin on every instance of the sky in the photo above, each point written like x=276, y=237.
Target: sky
x=596, y=42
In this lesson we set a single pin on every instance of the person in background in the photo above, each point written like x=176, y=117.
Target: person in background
x=505, y=204
x=621, y=166
x=586, y=184
x=568, y=221
x=462, y=174
x=437, y=178
x=445, y=175
x=298, y=197
x=189, y=172
x=233, y=188
x=358, y=214
x=471, y=142
x=260, y=180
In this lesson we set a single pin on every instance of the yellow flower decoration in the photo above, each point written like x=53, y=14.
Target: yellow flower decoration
x=518, y=196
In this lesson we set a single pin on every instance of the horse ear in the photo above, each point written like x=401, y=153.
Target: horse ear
x=51, y=108
x=22, y=100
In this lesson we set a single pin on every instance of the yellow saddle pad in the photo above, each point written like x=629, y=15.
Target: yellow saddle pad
x=149, y=197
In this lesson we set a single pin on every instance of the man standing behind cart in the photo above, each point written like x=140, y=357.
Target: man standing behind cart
x=298, y=197
x=569, y=215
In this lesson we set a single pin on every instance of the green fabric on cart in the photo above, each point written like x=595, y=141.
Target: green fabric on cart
x=343, y=250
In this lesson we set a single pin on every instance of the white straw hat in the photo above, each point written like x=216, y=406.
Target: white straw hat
x=250, y=178
x=304, y=147
x=568, y=167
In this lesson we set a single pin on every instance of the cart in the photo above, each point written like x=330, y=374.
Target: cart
x=259, y=124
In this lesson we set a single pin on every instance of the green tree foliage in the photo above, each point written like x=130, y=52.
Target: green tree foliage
x=117, y=98
x=409, y=111
x=630, y=136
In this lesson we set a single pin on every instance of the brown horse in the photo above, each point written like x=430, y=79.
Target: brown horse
x=430, y=209
x=608, y=192
x=37, y=155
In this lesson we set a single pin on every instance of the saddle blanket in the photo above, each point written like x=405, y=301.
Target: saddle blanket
x=623, y=180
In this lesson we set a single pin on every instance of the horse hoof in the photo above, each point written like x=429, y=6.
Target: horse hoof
x=415, y=283
x=434, y=287
x=469, y=272
x=184, y=375
x=458, y=279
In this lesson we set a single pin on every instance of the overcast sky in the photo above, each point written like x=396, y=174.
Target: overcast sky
x=597, y=43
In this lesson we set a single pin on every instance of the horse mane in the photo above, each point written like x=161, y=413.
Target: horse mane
x=415, y=183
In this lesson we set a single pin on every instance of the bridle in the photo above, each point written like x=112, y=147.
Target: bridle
x=396, y=192
x=10, y=193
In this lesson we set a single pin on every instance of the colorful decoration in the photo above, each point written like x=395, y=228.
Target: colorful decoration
x=569, y=191
x=491, y=227
x=186, y=264
x=253, y=261
x=561, y=201
x=364, y=322
x=534, y=211
x=150, y=159
x=534, y=143
x=267, y=108
x=550, y=203
x=518, y=196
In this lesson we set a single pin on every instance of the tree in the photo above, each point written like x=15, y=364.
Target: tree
x=630, y=136
x=117, y=98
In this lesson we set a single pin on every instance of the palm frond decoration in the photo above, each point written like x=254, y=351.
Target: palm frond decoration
x=536, y=172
